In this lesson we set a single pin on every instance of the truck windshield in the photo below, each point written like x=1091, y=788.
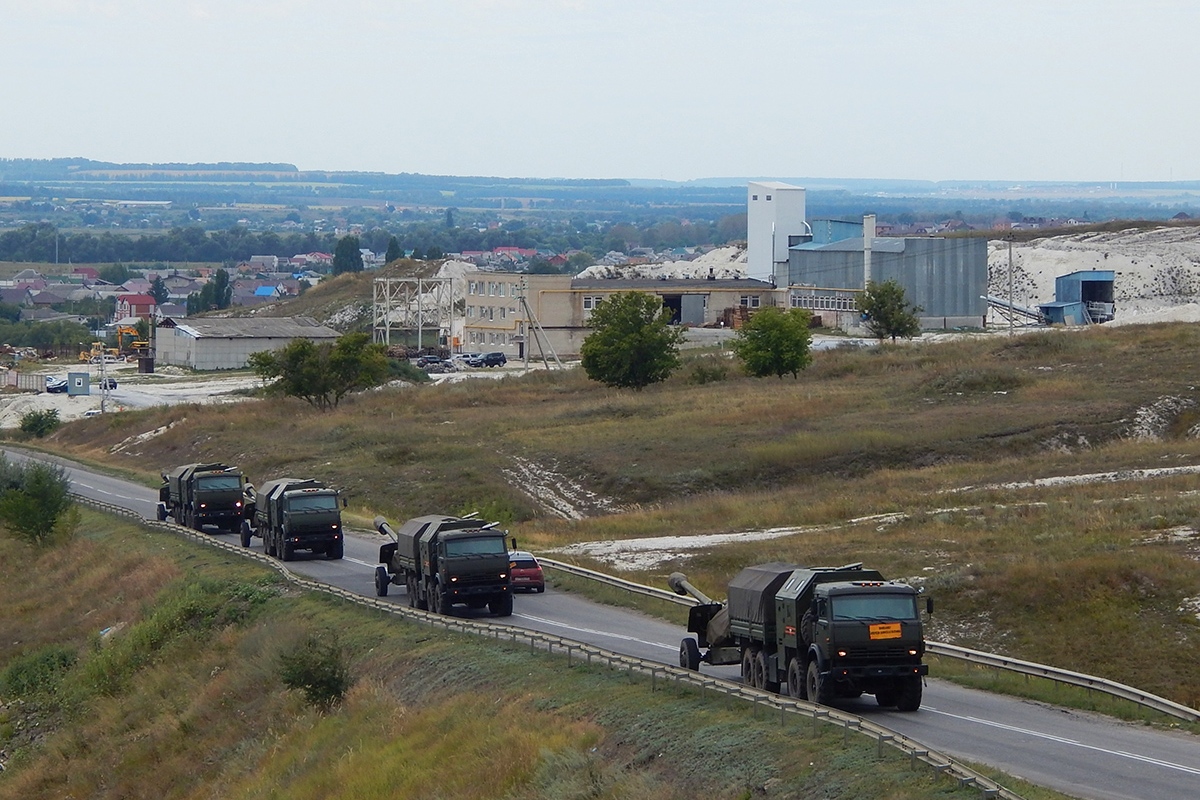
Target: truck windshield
x=481, y=546
x=218, y=482
x=874, y=606
x=313, y=502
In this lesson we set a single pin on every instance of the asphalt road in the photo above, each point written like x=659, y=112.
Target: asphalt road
x=1080, y=754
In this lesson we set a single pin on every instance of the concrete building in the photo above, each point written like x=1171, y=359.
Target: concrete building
x=501, y=308
x=774, y=220
x=211, y=344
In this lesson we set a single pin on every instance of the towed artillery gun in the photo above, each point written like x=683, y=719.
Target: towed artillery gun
x=823, y=632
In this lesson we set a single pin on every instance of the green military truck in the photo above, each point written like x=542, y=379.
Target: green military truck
x=196, y=495
x=443, y=561
x=823, y=632
x=293, y=514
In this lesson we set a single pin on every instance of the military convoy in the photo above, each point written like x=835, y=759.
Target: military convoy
x=823, y=632
x=443, y=561
x=195, y=495
x=293, y=514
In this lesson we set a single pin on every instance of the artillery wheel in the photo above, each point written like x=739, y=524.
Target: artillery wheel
x=819, y=691
x=795, y=679
x=689, y=654
x=748, y=666
x=501, y=605
x=910, y=694
x=382, y=580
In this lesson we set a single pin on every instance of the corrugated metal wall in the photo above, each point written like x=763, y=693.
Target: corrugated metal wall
x=946, y=277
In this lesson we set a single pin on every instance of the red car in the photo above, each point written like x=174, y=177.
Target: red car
x=526, y=572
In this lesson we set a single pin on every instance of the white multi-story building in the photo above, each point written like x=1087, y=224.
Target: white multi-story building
x=774, y=213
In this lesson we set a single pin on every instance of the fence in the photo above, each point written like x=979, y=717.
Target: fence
x=786, y=707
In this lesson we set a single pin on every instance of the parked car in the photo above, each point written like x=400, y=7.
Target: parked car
x=56, y=385
x=107, y=383
x=467, y=359
x=525, y=572
x=105, y=360
x=493, y=360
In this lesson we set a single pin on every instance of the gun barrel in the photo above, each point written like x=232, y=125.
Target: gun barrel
x=381, y=525
x=679, y=585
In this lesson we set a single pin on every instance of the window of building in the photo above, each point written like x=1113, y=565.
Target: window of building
x=750, y=301
x=753, y=197
x=768, y=197
x=503, y=312
x=590, y=301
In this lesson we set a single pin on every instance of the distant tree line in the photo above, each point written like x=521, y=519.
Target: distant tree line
x=43, y=243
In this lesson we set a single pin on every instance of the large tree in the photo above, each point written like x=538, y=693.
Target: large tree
x=159, y=290
x=775, y=342
x=888, y=312
x=394, y=252
x=322, y=374
x=632, y=343
x=347, y=256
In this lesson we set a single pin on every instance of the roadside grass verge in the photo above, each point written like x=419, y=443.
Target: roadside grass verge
x=199, y=710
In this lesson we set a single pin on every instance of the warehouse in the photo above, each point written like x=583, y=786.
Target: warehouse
x=211, y=344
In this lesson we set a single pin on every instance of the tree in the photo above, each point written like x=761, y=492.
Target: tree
x=159, y=290
x=888, y=311
x=774, y=342
x=347, y=256
x=34, y=498
x=115, y=274
x=393, y=251
x=632, y=343
x=322, y=374
x=40, y=423
x=216, y=294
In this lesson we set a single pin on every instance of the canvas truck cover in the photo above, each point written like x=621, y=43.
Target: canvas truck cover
x=800, y=585
x=752, y=593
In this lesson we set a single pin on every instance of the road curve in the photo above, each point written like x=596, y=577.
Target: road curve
x=1077, y=753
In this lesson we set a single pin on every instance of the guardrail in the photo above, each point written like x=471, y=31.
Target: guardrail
x=786, y=706
x=1151, y=701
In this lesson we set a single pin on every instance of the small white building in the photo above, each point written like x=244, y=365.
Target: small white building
x=211, y=343
x=774, y=214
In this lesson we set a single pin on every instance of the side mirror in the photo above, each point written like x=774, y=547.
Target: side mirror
x=345, y=502
x=929, y=605
x=514, y=543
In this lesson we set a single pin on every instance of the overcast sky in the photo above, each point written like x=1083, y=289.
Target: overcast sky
x=928, y=89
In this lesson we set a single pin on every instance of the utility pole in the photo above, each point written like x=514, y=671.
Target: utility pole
x=1010, y=287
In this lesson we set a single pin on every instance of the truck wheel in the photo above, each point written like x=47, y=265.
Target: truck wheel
x=336, y=550
x=819, y=691
x=910, y=694
x=886, y=697
x=382, y=579
x=761, y=680
x=439, y=600
x=501, y=605
x=286, y=552
x=747, y=666
x=160, y=511
x=246, y=534
x=795, y=680
x=410, y=588
x=689, y=654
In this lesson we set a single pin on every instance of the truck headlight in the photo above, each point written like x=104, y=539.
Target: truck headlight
x=841, y=653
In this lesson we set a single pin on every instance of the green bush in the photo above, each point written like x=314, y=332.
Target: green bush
x=37, y=672
x=708, y=370
x=34, y=501
x=317, y=667
x=40, y=423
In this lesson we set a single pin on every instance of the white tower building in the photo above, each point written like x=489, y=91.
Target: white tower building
x=774, y=212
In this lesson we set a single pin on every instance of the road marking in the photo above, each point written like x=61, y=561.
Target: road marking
x=1072, y=742
x=110, y=494
x=607, y=634
x=356, y=561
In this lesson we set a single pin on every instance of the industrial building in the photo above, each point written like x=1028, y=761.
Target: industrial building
x=211, y=344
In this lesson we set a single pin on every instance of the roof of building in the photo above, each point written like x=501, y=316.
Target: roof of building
x=879, y=244
x=256, y=328
x=658, y=286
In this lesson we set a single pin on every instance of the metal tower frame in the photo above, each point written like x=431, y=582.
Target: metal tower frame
x=412, y=304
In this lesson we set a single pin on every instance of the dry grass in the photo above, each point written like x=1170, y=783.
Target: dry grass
x=202, y=713
x=863, y=432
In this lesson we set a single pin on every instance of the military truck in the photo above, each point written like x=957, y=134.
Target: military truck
x=443, y=561
x=196, y=495
x=293, y=514
x=823, y=632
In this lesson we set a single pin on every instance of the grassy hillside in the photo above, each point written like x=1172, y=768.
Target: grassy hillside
x=871, y=455
x=138, y=665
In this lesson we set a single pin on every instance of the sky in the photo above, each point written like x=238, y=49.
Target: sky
x=1021, y=90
